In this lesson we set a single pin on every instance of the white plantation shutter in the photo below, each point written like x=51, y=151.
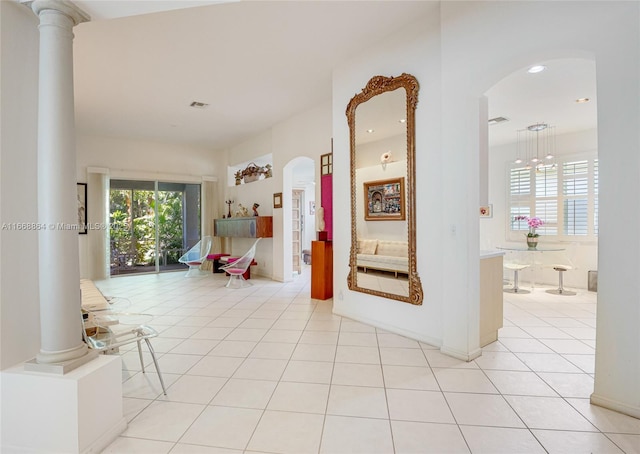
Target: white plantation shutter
x=520, y=192
x=595, y=197
x=564, y=196
x=546, y=198
x=520, y=182
x=575, y=188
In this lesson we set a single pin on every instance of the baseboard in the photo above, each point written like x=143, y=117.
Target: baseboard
x=107, y=438
x=462, y=355
x=614, y=405
x=392, y=329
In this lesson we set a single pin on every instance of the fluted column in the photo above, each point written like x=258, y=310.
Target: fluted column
x=60, y=323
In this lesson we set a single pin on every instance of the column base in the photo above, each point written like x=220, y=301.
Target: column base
x=60, y=368
x=79, y=412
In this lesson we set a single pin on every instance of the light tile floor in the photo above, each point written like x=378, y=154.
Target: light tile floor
x=269, y=370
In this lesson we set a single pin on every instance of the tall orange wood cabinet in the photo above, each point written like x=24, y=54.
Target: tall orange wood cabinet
x=321, y=270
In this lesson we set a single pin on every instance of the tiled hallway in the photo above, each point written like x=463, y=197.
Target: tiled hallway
x=268, y=370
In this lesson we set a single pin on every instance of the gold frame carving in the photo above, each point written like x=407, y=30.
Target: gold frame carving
x=378, y=85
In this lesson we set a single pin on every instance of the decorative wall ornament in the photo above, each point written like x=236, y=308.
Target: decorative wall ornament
x=253, y=173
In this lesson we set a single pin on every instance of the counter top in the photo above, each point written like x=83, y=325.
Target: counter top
x=490, y=254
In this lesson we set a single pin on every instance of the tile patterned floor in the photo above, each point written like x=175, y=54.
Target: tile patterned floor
x=268, y=370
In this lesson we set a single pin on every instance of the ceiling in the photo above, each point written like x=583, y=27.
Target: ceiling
x=546, y=97
x=254, y=63
x=139, y=65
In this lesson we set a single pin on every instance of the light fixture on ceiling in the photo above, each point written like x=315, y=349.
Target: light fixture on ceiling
x=536, y=69
x=582, y=100
x=198, y=104
x=496, y=120
x=536, y=146
x=370, y=131
x=402, y=120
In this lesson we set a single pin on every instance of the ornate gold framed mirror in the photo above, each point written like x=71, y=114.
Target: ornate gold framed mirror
x=382, y=258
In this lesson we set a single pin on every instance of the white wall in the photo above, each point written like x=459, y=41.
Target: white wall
x=19, y=295
x=479, y=44
x=414, y=50
x=261, y=192
x=305, y=135
x=494, y=231
x=139, y=159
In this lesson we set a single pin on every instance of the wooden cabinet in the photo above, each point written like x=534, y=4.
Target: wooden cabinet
x=250, y=227
x=321, y=270
x=490, y=299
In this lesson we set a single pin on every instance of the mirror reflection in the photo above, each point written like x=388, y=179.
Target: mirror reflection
x=381, y=121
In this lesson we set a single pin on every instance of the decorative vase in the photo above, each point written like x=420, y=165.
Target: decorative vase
x=532, y=242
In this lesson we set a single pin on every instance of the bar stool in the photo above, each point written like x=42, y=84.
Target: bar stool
x=516, y=261
x=562, y=262
x=515, y=267
x=560, y=290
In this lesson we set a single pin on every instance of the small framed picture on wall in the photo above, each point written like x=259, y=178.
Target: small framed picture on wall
x=277, y=200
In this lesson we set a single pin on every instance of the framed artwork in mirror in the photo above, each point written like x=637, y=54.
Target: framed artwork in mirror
x=384, y=200
x=82, y=208
x=277, y=200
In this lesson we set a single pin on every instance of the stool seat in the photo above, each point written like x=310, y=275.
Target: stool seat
x=515, y=267
x=560, y=290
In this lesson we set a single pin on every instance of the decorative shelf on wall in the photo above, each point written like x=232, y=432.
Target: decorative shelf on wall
x=249, y=227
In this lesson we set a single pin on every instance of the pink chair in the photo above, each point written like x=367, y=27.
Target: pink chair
x=237, y=268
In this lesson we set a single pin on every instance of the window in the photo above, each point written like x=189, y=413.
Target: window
x=564, y=195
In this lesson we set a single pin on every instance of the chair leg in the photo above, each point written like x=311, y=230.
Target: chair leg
x=155, y=362
x=140, y=355
x=237, y=281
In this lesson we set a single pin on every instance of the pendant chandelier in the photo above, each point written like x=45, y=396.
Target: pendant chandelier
x=536, y=146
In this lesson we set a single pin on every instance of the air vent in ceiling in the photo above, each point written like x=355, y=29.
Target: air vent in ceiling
x=199, y=105
x=496, y=120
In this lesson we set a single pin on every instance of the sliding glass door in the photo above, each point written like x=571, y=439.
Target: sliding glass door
x=152, y=224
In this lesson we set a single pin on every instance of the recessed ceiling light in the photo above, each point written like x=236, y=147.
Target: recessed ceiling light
x=198, y=104
x=496, y=120
x=402, y=120
x=369, y=131
x=582, y=100
x=536, y=69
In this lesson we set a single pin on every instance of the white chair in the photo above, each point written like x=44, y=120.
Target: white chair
x=237, y=268
x=109, y=336
x=513, y=261
x=196, y=256
x=562, y=262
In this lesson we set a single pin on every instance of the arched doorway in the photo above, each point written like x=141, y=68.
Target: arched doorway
x=299, y=219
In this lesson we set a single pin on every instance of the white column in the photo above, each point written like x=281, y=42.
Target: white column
x=60, y=323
